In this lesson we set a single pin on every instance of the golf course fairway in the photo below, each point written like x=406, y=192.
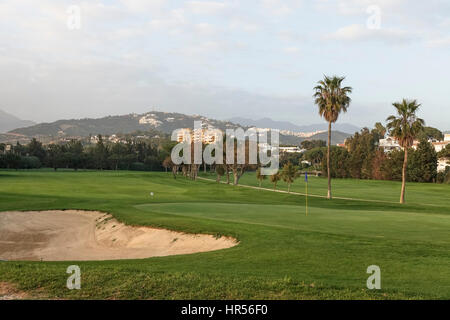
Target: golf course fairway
x=282, y=253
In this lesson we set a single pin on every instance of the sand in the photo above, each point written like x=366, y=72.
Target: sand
x=9, y=292
x=72, y=235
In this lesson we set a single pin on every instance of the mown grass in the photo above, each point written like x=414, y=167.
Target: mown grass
x=282, y=253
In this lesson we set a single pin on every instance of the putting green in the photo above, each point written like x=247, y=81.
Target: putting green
x=389, y=225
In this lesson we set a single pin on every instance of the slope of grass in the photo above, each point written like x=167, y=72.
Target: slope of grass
x=388, y=191
x=282, y=253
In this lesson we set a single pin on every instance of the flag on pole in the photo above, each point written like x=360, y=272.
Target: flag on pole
x=306, y=186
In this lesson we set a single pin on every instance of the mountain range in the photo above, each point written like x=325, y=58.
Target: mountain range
x=9, y=122
x=164, y=122
x=286, y=125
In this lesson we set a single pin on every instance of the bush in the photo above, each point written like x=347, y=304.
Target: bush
x=31, y=162
x=138, y=166
x=444, y=177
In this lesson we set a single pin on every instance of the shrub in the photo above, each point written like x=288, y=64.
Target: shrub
x=30, y=162
x=138, y=166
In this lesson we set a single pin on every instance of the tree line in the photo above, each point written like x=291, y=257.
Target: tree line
x=134, y=154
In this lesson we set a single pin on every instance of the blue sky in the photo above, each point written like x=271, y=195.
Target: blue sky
x=252, y=58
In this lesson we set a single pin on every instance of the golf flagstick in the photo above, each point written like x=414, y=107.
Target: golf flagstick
x=306, y=184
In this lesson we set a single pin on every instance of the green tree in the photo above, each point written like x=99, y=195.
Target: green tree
x=315, y=156
x=362, y=147
x=54, y=156
x=260, y=176
x=430, y=133
x=274, y=179
x=391, y=167
x=444, y=176
x=332, y=99
x=339, y=164
x=423, y=163
x=167, y=163
x=311, y=144
x=30, y=162
x=12, y=160
x=101, y=154
x=445, y=153
x=36, y=149
x=74, y=154
x=289, y=174
x=404, y=127
x=220, y=171
x=380, y=130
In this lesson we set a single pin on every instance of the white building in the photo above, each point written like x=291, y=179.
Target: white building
x=306, y=162
x=390, y=144
x=442, y=164
x=291, y=150
x=114, y=139
x=183, y=134
x=447, y=137
x=439, y=146
x=301, y=134
x=206, y=136
x=149, y=119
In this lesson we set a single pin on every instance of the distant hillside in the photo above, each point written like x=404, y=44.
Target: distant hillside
x=286, y=125
x=9, y=122
x=161, y=121
x=336, y=137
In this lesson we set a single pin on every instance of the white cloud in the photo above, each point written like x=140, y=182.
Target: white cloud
x=144, y=6
x=438, y=42
x=290, y=36
x=360, y=33
x=205, y=29
x=172, y=23
x=281, y=7
x=291, y=50
x=210, y=47
x=205, y=7
x=356, y=7
x=243, y=25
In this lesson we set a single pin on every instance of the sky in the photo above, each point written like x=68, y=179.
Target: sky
x=222, y=59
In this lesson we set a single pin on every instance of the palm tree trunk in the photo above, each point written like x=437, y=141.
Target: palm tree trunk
x=405, y=164
x=328, y=160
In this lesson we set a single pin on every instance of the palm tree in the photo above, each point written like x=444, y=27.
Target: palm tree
x=289, y=173
x=404, y=127
x=332, y=99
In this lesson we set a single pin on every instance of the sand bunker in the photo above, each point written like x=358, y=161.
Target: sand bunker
x=81, y=235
